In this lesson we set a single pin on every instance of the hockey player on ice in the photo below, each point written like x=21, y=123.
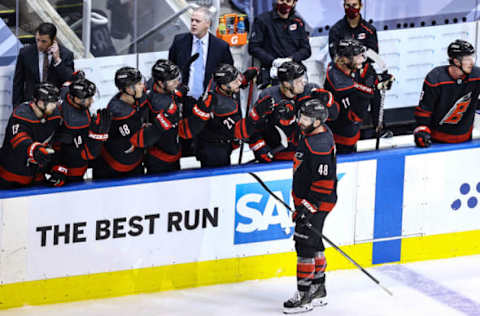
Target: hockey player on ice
x=314, y=191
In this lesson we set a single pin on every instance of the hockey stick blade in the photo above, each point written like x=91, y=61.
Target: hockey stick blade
x=319, y=234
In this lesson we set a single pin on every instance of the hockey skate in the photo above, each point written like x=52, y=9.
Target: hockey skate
x=318, y=293
x=300, y=302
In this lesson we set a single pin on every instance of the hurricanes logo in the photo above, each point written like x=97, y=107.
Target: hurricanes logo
x=471, y=201
x=458, y=109
x=297, y=161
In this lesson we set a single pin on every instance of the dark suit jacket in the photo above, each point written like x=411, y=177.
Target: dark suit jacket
x=181, y=50
x=27, y=74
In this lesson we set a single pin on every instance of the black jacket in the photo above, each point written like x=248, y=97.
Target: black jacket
x=181, y=50
x=27, y=74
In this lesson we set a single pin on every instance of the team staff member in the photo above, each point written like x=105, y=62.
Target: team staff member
x=449, y=98
x=278, y=36
x=26, y=152
x=46, y=61
x=80, y=137
x=314, y=191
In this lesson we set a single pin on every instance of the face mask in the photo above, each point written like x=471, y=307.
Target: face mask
x=284, y=8
x=352, y=13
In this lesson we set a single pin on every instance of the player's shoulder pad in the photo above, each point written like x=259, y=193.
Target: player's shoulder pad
x=119, y=109
x=320, y=144
x=273, y=91
x=74, y=118
x=24, y=112
x=438, y=75
x=338, y=79
x=225, y=105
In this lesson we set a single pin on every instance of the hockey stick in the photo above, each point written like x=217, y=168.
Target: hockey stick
x=249, y=102
x=380, y=119
x=319, y=234
x=282, y=146
x=375, y=57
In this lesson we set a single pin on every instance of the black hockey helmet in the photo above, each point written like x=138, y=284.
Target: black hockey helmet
x=460, y=48
x=164, y=70
x=127, y=76
x=349, y=48
x=46, y=92
x=82, y=89
x=314, y=108
x=79, y=74
x=225, y=74
x=290, y=70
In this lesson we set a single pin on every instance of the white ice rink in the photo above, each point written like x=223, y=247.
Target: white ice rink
x=448, y=287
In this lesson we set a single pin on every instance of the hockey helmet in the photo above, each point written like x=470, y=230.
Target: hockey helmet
x=349, y=48
x=127, y=76
x=46, y=92
x=164, y=70
x=314, y=108
x=79, y=74
x=290, y=70
x=225, y=74
x=82, y=89
x=460, y=48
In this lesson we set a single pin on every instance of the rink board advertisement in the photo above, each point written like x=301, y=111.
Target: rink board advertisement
x=165, y=223
x=214, y=226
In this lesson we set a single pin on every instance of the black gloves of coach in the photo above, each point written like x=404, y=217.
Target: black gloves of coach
x=248, y=76
x=385, y=81
x=100, y=125
x=422, y=136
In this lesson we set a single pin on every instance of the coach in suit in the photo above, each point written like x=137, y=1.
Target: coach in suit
x=44, y=61
x=211, y=51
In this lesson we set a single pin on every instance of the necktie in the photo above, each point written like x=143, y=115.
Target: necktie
x=45, y=67
x=199, y=71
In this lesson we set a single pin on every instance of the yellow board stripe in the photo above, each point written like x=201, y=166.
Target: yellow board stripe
x=441, y=246
x=166, y=278
x=195, y=274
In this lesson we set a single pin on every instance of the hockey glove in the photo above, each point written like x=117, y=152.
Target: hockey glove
x=285, y=112
x=249, y=74
x=168, y=119
x=422, y=136
x=100, y=125
x=262, y=107
x=303, y=213
x=385, y=81
x=58, y=176
x=182, y=91
x=40, y=154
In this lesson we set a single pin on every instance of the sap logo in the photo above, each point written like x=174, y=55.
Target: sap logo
x=258, y=216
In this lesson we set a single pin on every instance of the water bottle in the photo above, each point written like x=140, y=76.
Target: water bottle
x=222, y=28
x=241, y=25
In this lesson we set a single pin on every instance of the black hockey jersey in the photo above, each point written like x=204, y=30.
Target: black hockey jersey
x=267, y=137
x=129, y=134
x=447, y=106
x=315, y=172
x=167, y=149
x=24, y=129
x=75, y=147
x=353, y=93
